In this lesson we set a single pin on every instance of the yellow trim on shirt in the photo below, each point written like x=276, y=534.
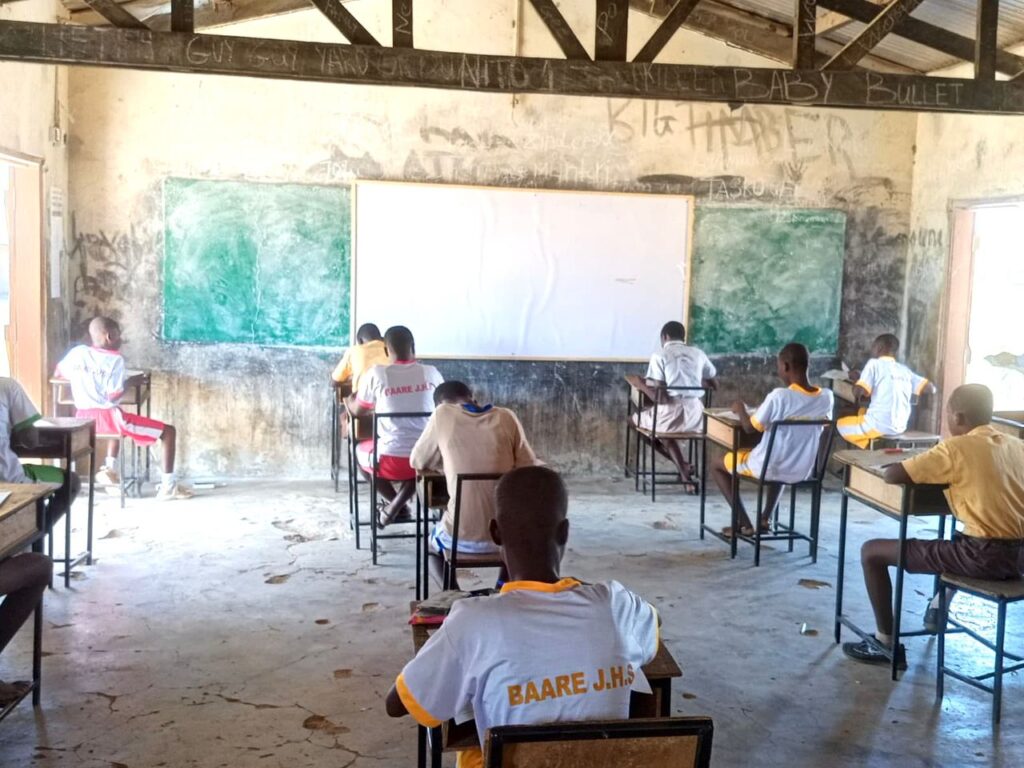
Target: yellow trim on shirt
x=813, y=391
x=470, y=758
x=863, y=385
x=540, y=586
x=756, y=424
x=887, y=357
x=921, y=387
x=419, y=714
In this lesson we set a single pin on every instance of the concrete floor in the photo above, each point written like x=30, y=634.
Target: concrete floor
x=243, y=629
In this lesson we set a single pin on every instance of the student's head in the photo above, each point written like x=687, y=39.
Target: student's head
x=968, y=407
x=672, y=331
x=453, y=393
x=792, y=362
x=400, y=343
x=886, y=345
x=105, y=333
x=367, y=332
x=530, y=522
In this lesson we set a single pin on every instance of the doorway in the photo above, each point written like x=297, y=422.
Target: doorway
x=22, y=302
x=984, y=342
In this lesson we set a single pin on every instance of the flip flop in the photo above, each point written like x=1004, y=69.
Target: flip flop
x=745, y=530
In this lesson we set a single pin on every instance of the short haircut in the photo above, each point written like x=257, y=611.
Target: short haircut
x=673, y=330
x=367, y=332
x=399, y=340
x=974, y=401
x=888, y=342
x=530, y=500
x=451, y=392
x=104, y=324
x=796, y=355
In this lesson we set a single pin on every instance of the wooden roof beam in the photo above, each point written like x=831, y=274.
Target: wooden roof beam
x=869, y=37
x=343, y=20
x=560, y=30
x=115, y=14
x=669, y=26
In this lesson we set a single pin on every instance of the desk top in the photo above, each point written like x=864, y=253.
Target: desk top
x=62, y=424
x=23, y=494
x=726, y=415
x=875, y=462
x=639, y=383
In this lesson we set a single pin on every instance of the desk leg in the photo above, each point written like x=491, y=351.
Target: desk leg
x=843, y=505
x=735, y=497
x=67, y=548
x=92, y=496
x=703, y=477
x=37, y=654
x=897, y=610
x=435, y=748
x=419, y=552
x=664, y=689
x=421, y=747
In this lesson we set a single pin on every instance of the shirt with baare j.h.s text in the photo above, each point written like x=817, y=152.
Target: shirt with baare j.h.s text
x=538, y=652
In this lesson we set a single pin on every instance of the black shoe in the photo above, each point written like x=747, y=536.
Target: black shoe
x=934, y=622
x=871, y=653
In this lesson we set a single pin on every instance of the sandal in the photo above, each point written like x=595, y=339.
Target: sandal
x=745, y=530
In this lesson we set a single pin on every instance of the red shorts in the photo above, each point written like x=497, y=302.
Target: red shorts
x=388, y=467
x=114, y=421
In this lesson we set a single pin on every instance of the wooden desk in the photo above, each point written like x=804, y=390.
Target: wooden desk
x=725, y=430
x=660, y=672
x=1010, y=422
x=137, y=391
x=23, y=524
x=67, y=440
x=863, y=480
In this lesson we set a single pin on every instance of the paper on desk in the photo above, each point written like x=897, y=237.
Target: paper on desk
x=835, y=374
x=4, y=495
x=44, y=423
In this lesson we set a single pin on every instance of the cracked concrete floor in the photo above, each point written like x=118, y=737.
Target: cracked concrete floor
x=243, y=629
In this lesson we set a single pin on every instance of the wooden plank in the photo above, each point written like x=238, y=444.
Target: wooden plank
x=115, y=14
x=323, y=62
x=668, y=27
x=986, y=40
x=560, y=30
x=832, y=21
x=611, y=26
x=926, y=34
x=342, y=18
x=183, y=16
x=805, y=29
x=401, y=23
x=872, y=34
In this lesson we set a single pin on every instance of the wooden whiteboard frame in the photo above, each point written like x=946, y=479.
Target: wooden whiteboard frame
x=691, y=201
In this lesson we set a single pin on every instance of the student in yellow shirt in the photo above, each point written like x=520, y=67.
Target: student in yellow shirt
x=368, y=351
x=984, y=469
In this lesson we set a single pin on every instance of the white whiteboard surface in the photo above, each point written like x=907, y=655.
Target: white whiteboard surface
x=500, y=273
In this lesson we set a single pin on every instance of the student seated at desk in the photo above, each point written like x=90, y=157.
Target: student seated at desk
x=357, y=360
x=891, y=387
x=794, y=452
x=97, y=377
x=23, y=579
x=678, y=364
x=402, y=386
x=463, y=437
x=547, y=648
x=984, y=469
x=17, y=418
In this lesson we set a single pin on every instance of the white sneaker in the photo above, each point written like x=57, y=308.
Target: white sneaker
x=108, y=476
x=172, y=492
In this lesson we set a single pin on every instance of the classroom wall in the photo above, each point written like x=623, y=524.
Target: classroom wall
x=27, y=95
x=247, y=410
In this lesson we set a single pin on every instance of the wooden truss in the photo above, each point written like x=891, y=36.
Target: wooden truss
x=820, y=73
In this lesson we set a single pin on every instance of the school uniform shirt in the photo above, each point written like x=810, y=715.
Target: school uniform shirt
x=535, y=653
x=358, y=359
x=891, y=386
x=678, y=364
x=96, y=376
x=16, y=412
x=405, y=386
x=463, y=439
x=795, y=449
x=985, y=473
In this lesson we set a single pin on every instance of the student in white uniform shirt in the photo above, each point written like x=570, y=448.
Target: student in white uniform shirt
x=547, y=648
x=794, y=451
x=402, y=386
x=891, y=386
x=677, y=364
x=464, y=437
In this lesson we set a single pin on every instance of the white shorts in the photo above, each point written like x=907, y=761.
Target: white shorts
x=682, y=414
x=441, y=542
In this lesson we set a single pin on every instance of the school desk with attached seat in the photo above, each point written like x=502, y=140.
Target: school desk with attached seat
x=453, y=737
x=641, y=397
x=864, y=481
x=725, y=429
x=68, y=440
x=23, y=524
x=453, y=560
x=847, y=404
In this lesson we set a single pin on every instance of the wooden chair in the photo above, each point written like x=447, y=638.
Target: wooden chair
x=674, y=742
x=453, y=559
x=1002, y=594
x=780, y=531
x=650, y=437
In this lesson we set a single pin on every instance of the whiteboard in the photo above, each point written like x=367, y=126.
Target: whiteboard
x=508, y=273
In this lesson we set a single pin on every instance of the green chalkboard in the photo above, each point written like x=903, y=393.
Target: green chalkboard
x=256, y=263
x=762, y=278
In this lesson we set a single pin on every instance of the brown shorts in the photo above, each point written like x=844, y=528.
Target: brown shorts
x=967, y=556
